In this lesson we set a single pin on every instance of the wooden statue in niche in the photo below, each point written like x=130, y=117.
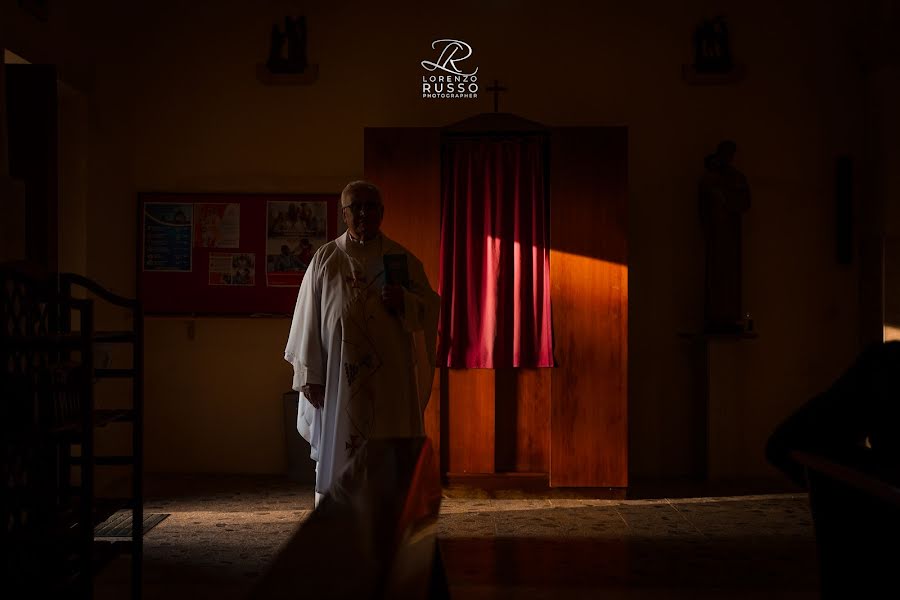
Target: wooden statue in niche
x=724, y=195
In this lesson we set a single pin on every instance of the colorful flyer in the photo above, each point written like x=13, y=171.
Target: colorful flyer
x=290, y=218
x=168, y=229
x=238, y=268
x=294, y=231
x=218, y=225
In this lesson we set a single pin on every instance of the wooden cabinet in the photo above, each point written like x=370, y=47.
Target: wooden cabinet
x=568, y=423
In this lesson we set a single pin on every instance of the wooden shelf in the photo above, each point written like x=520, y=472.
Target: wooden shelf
x=59, y=341
x=309, y=76
x=694, y=77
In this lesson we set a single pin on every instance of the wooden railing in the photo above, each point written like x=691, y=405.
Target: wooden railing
x=47, y=343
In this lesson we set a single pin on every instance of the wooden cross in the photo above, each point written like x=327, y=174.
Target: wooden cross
x=496, y=88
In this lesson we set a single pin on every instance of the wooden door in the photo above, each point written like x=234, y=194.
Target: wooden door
x=589, y=287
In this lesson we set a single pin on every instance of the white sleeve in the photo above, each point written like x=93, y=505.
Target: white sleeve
x=304, y=346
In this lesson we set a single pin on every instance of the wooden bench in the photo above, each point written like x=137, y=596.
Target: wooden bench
x=855, y=504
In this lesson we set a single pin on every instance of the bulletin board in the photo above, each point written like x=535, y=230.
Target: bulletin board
x=229, y=254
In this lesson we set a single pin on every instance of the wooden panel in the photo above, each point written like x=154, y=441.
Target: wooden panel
x=522, y=420
x=433, y=419
x=533, y=421
x=405, y=164
x=506, y=416
x=589, y=279
x=470, y=421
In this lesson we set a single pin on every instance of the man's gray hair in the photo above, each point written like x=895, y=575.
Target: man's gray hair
x=355, y=186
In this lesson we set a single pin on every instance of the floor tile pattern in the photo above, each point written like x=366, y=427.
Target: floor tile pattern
x=223, y=531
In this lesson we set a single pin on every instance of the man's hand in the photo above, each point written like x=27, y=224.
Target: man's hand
x=315, y=393
x=392, y=295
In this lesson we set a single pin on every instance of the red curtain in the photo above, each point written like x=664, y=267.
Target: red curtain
x=495, y=254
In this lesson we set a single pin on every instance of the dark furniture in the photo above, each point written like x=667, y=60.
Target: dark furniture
x=855, y=504
x=49, y=507
x=843, y=445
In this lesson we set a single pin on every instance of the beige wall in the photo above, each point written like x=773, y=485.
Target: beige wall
x=177, y=107
x=214, y=395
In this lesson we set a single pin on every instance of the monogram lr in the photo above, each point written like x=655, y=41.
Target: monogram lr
x=454, y=81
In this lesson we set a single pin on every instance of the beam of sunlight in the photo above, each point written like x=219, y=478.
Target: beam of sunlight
x=587, y=278
x=11, y=58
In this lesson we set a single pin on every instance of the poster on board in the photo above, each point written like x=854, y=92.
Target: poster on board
x=233, y=280
x=218, y=225
x=232, y=268
x=168, y=229
x=294, y=231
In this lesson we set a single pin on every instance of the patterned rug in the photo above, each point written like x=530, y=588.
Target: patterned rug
x=118, y=526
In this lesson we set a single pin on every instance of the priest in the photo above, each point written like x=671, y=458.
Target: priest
x=362, y=340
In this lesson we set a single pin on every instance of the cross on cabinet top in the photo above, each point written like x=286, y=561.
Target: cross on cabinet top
x=496, y=88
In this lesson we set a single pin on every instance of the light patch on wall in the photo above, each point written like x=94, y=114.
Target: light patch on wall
x=11, y=58
x=891, y=333
x=587, y=277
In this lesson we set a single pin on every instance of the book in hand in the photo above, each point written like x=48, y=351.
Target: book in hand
x=396, y=271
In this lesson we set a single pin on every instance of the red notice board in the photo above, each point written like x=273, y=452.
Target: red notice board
x=228, y=254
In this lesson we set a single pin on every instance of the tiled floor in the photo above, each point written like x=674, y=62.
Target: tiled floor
x=223, y=531
x=747, y=547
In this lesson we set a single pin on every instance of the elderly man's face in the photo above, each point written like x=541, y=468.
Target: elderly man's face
x=362, y=212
